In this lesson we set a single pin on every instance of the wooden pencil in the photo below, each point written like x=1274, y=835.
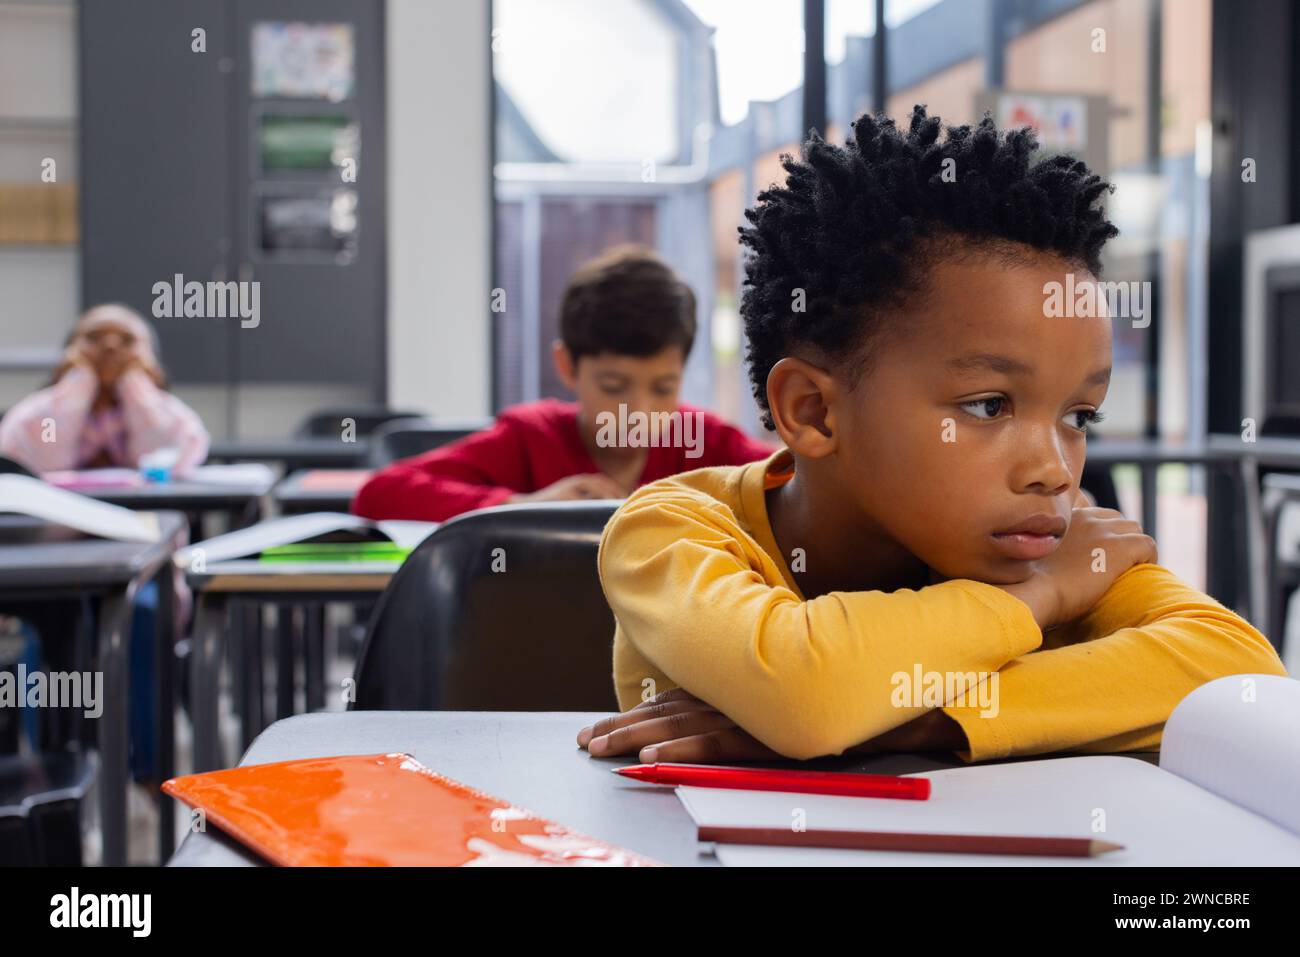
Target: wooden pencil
x=905, y=841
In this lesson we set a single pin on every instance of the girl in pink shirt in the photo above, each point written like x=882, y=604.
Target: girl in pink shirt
x=107, y=404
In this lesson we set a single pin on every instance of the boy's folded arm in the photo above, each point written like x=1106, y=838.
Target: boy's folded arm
x=479, y=471
x=805, y=678
x=1148, y=642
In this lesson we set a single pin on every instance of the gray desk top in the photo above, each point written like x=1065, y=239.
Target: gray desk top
x=289, y=493
x=1272, y=451
x=39, y=555
x=293, y=452
x=247, y=576
x=332, y=453
x=528, y=758
x=184, y=496
x=1150, y=452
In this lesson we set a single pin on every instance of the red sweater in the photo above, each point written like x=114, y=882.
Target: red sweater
x=528, y=448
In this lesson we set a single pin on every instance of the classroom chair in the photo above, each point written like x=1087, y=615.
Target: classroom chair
x=498, y=610
x=40, y=808
x=327, y=423
x=42, y=787
x=1099, y=482
x=9, y=467
x=1280, y=504
x=403, y=438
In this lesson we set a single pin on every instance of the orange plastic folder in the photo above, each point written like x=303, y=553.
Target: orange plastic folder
x=374, y=810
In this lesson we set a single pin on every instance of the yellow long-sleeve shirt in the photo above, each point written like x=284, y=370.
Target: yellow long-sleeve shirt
x=705, y=601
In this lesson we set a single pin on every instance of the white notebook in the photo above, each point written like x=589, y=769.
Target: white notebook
x=291, y=529
x=1227, y=792
x=24, y=495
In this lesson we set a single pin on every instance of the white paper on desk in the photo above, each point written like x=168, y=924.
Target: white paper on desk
x=1226, y=793
x=1158, y=817
x=405, y=533
x=25, y=495
x=1239, y=737
x=291, y=529
x=240, y=474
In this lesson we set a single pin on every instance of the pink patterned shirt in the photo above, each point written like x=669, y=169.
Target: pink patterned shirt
x=55, y=429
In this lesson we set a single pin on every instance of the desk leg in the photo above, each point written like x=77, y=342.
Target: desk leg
x=114, y=772
x=236, y=652
x=284, y=661
x=1256, y=548
x=250, y=641
x=1273, y=620
x=313, y=656
x=205, y=681
x=165, y=705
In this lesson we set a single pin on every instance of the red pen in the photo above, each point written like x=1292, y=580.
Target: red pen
x=843, y=783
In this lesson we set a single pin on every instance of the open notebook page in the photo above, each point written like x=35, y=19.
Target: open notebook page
x=1239, y=737
x=25, y=495
x=246, y=542
x=1228, y=778
x=1158, y=817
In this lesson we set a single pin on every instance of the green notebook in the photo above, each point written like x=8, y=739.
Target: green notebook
x=336, y=552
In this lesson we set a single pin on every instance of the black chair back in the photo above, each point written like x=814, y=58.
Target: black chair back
x=327, y=423
x=498, y=610
x=9, y=467
x=403, y=438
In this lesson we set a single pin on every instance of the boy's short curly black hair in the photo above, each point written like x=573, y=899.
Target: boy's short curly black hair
x=854, y=229
x=629, y=302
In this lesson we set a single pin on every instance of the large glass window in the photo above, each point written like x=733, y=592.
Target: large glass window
x=659, y=121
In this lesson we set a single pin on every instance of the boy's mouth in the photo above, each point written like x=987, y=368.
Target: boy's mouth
x=1036, y=537
x=1026, y=547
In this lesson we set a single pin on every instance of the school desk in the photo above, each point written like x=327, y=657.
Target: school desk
x=41, y=562
x=528, y=758
x=254, y=584
x=294, y=453
x=240, y=501
x=318, y=490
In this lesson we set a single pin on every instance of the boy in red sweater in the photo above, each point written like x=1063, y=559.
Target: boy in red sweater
x=627, y=323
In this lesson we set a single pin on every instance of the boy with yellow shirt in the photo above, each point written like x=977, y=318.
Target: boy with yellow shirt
x=917, y=569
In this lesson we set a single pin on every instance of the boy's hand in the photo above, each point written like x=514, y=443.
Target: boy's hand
x=932, y=731
x=673, y=726
x=678, y=727
x=590, y=485
x=1066, y=584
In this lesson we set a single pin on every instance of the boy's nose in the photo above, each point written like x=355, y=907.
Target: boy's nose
x=1044, y=465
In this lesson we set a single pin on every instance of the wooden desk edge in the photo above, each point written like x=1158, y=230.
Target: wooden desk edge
x=303, y=583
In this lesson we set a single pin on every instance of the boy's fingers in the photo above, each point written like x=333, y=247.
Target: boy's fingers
x=673, y=694
x=606, y=489
x=679, y=724
x=638, y=713
x=712, y=747
x=642, y=712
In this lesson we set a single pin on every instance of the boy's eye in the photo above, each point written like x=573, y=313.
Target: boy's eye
x=985, y=408
x=1082, y=418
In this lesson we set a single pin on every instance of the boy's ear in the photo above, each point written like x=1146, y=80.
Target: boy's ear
x=565, y=366
x=800, y=396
